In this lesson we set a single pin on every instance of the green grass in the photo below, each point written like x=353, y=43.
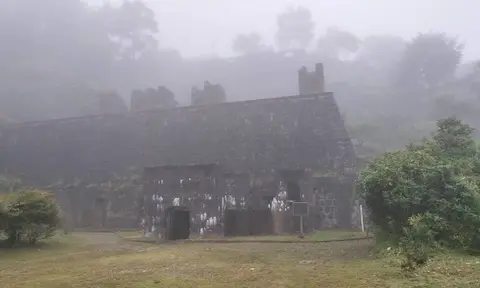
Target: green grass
x=102, y=260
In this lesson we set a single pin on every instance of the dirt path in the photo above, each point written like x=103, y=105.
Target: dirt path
x=100, y=238
x=108, y=241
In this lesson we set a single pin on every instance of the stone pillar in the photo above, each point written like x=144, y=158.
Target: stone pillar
x=344, y=194
x=306, y=187
x=324, y=210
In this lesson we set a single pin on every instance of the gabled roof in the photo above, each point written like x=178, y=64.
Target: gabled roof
x=294, y=132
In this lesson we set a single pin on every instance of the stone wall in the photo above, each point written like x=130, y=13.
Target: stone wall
x=256, y=146
x=332, y=200
x=325, y=210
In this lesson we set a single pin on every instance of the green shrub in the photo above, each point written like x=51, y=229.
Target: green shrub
x=29, y=215
x=417, y=242
x=427, y=195
x=3, y=217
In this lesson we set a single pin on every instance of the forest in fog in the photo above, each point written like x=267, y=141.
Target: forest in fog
x=60, y=58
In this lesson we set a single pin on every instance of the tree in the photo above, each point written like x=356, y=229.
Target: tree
x=46, y=45
x=429, y=60
x=454, y=138
x=132, y=26
x=381, y=52
x=471, y=79
x=247, y=43
x=133, y=30
x=52, y=39
x=336, y=43
x=295, y=28
x=51, y=50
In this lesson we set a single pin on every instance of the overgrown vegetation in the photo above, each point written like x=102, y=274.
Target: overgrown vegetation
x=427, y=195
x=27, y=216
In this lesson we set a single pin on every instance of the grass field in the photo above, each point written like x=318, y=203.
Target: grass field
x=105, y=260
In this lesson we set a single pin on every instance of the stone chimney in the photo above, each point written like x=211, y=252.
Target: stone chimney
x=311, y=82
x=211, y=94
x=151, y=99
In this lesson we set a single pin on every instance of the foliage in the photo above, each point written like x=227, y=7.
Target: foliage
x=418, y=243
x=9, y=183
x=29, y=214
x=247, y=43
x=336, y=42
x=295, y=28
x=429, y=60
x=77, y=48
x=3, y=217
x=381, y=51
x=454, y=139
x=132, y=27
x=428, y=193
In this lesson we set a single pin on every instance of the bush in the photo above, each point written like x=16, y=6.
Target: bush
x=3, y=217
x=29, y=215
x=417, y=242
x=427, y=195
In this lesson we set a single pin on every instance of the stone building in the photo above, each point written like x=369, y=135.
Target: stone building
x=207, y=157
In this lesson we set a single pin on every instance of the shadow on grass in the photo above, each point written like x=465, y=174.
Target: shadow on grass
x=57, y=244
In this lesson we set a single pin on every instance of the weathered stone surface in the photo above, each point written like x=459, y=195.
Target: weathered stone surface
x=152, y=99
x=111, y=103
x=210, y=94
x=298, y=132
x=259, y=149
x=311, y=82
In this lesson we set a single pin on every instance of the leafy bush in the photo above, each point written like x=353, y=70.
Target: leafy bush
x=427, y=195
x=3, y=217
x=29, y=215
x=417, y=242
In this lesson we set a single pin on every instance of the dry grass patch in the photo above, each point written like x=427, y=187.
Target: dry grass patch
x=98, y=261
x=324, y=235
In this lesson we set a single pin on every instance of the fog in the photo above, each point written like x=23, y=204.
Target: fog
x=395, y=67
x=207, y=27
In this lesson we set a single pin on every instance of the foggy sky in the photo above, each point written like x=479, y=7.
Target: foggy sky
x=206, y=27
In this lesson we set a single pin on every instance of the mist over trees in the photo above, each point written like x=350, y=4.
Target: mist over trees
x=248, y=43
x=295, y=29
x=63, y=58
